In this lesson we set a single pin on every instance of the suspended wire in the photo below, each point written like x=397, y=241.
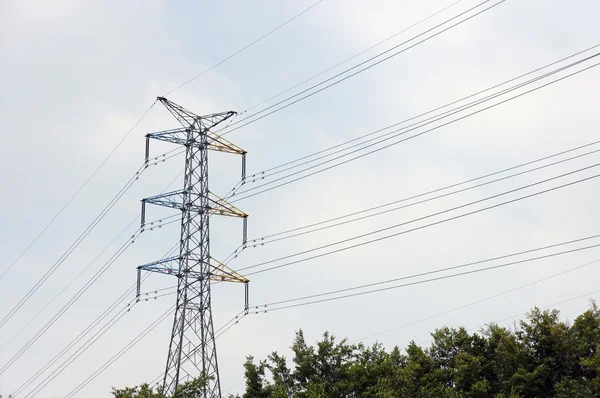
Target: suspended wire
x=74, y=245
x=122, y=352
x=262, y=241
x=131, y=131
x=436, y=190
x=18, y=332
x=281, y=169
x=71, y=301
x=85, y=183
x=354, y=56
x=81, y=350
x=357, y=66
x=416, y=135
x=77, y=295
x=436, y=271
x=552, y=305
x=472, y=303
x=246, y=47
x=130, y=345
x=420, y=282
x=40, y=386
x=525, y=313
x=423, y=123
x=119, y=301
x=266, y=171
x=419, y=219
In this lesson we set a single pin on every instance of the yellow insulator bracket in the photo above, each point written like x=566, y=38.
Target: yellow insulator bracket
x=222, y=273
x=221, y=207
x=218, y=143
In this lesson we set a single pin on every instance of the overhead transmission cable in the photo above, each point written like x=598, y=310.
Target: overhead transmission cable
x=70, y=302
x=122, y=352
x=454, y=185
x=420, y=219
x=75, y=244
x=412, y=136
x=588, y=294
x=398, y=132
x=267, y=173
x=355, y=55
x=107, y=326
x=246, y=47
x=436, y=271
x=130, y=345
x=479, y=301
x=77, y=295
x=423, y=281
x=86, y=182
x=256, y=116
x=43, y=309
x=82, y=349
x=274, y=237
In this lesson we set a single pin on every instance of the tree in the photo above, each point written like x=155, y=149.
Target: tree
x=542, y=357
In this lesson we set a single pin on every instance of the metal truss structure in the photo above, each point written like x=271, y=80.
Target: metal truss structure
x=192, y=349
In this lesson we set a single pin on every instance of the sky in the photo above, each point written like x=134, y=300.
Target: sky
x=77, y=76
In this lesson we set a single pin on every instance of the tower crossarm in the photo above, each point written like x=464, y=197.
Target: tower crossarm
x=189, y=119
x=220, y=144
x=180, y=136
x=167, y=266
x=170, y=266
x=222, y=273
x=221, y=207
x=175, y=136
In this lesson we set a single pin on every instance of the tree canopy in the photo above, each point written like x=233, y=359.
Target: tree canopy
x=542, y=356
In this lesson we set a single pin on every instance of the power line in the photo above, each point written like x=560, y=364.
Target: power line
x=119, y=301
x=358, y=65
x=552, y=305
x=69, y=303
x=436, y=278
x=502, y=293
x=436, y=271
x=422, y=226
x=131, y=131
x=116, y=318
x=262, y=242
x=85, y=183
x=122, y=352
x=77, y=242
x=432, y=191
x=354, y=56
x=18, y=332
x=130, y=345
x=76, y=297
x=68, y=252
x=415, y=135
x=546, y=307
x=282, y=167
x=159, y=222
x=246, y=47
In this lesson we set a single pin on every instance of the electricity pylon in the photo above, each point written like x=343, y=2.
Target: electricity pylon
x=192, y=349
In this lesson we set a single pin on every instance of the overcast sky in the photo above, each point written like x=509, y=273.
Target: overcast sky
x=76, y=76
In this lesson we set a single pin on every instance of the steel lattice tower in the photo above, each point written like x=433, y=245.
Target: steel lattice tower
x=192, y=349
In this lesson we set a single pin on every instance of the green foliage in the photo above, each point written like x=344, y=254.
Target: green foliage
x=542, y=357
x=192, y=389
